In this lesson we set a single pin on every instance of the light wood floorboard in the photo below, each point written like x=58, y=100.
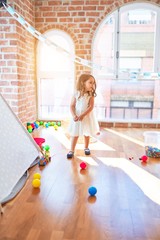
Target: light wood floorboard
x=61, y=209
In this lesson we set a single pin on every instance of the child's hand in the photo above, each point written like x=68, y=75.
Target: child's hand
x=75, y=118
x=80, y=118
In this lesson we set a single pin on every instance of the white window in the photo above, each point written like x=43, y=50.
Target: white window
x=55, y=72
x=128, y=40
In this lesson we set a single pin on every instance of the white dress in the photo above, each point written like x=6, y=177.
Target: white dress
x=89, y=125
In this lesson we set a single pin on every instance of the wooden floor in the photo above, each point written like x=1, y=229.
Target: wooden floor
x=126, y=206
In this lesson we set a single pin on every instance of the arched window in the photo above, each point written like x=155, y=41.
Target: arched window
x=55, y=72
x=126, y=50
x=127, y=41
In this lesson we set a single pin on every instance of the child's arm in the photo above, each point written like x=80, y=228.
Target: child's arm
x=88, y=110
x=72, y=108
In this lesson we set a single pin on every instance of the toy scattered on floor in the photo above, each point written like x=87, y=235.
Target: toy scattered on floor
x=37, y=176
x=46, y=156
x=36, y=124
x=41, y=123
x=46, y=147
x=36, y=180
x=144, y=159
x=58, y=124
x=42, y=161
x=83, y=165
x=46, y=124
x=131, y=158
x=55, y=127
x=36, y=183
x=39, y=141
x=92, y=190
x=152, y=152
x=30, y=127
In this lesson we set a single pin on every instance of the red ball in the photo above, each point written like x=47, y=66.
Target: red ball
x=83, y=165
x=144, y=158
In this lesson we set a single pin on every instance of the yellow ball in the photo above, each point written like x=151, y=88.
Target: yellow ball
x=37, y=176
x=55, y=127
x=36, y=183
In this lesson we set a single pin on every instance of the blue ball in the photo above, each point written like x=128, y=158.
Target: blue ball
x=92, y=191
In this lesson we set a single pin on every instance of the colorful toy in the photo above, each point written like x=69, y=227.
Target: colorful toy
x=36, y=183
x=47, y=156
x=41, y=123
x=58, y=124
x=29, y=127
x=92, y=190
x=42, y=161
x=152, y=152
x=36, y=125
x=53, y=123
x=83, y=165
x=39, y=141
x=55, y=127
x=46, y=125
x=46, y=147
x=37, y=176
x=144, y=158
x=46, y=153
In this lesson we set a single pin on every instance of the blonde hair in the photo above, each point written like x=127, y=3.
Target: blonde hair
x=80, y=84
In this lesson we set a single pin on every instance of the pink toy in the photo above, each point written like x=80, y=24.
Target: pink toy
x=83, y=165
x=144, y=158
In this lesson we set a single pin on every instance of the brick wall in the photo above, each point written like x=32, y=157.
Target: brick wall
x=17, y=61
x=79, y=18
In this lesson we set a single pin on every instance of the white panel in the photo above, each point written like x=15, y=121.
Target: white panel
x=17, y=149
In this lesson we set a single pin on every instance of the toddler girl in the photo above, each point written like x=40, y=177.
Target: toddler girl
x=83, y=120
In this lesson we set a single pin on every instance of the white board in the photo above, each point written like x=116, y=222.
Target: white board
x=18, y=149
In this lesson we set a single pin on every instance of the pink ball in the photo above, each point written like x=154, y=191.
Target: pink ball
x=144, y=158
x=83, y=165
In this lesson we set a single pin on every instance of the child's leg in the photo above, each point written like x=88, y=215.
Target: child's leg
x=70, y=154
x=73, y=143
x=86, y=141
x=86, y=144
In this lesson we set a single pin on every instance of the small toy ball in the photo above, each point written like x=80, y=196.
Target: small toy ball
x=37, y=176
x=144, y=158
x=29, y=130
x=58, y=124
x=36, y=125
x=46, y=147
x=83, y=165
x=55, y=127
x=36, y=183
x=92, y=191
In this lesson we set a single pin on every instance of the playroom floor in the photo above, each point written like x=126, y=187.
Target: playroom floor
x=127, y=203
